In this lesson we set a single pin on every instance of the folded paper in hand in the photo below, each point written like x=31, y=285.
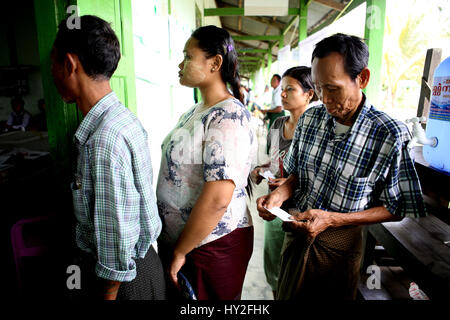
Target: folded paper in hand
x=267, y=174
x=280, y=213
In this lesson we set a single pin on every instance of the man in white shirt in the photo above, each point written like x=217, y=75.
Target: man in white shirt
x=19, y=118
x=276, y=108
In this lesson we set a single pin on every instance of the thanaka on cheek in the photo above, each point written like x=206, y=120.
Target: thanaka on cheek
x=192, y=73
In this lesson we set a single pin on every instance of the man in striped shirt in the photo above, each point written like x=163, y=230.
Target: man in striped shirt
x=349, y=165
x=114, y=203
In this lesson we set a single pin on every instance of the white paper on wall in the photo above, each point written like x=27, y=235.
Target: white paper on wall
x=284, y=59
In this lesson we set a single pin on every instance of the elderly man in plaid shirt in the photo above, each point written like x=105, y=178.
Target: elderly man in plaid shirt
x=349, y=166
x=115, y=207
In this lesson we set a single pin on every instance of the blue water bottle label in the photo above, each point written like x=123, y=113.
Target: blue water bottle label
x=440, y=99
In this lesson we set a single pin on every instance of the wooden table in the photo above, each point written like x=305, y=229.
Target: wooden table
x=32, y=140
x=422, y=248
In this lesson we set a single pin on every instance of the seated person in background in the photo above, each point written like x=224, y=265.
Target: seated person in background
x=19, y=118
x=39, y=121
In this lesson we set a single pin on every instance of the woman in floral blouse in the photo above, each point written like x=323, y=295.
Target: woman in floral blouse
x=206, y=159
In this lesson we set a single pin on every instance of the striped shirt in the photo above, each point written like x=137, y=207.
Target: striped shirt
x=114, y=203
x=367, y=166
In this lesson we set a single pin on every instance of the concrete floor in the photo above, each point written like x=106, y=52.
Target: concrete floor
x=255, y=284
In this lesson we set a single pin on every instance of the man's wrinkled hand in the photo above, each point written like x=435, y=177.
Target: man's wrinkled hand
x=310, y=222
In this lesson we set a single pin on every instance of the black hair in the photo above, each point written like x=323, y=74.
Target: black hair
x=354, y=51
x=214, y=40
x=95, y=44
x=17, y=100
x=303, y=75
x=276, y=75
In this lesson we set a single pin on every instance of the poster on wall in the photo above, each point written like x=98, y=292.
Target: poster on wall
x=178, y=35
x=284, y=59
x=151, y=49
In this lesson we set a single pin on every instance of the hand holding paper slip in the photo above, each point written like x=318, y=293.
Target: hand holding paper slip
x=280, y=213
x=267, y=174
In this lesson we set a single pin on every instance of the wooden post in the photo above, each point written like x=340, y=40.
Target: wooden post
x=432, y=60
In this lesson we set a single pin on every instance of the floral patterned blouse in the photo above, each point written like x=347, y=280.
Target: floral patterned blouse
x=207, y=144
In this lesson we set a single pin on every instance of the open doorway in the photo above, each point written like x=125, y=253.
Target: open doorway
x=23, y=125
x=20, y=74
x=25, y=160
x=24, y=148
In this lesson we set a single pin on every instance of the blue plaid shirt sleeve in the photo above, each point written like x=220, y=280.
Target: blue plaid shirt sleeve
x=116, y=219
x=118, y=208
x=114, y=203
x=344, y=180
x=402, y=195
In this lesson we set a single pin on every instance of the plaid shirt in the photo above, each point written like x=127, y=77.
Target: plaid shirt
x=113, y=197
x=365, y=167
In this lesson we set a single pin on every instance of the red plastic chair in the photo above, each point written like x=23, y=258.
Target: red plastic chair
x=26, y=247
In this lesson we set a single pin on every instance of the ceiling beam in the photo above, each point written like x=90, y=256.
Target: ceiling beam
x=257, y=37
x=249, y=58
x=246, y=45
x=274, y=24
x=289, y=25
x=261, y=19
x=244, y=51
x=249, y=63
x=210, y=12
x=344, y=10
x=231, y=29
x=332, y=16
x=252, y=50
x=241, y=41
x=331, y=4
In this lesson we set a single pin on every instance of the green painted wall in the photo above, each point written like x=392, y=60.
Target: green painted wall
x=62, y=118
x=118, y=12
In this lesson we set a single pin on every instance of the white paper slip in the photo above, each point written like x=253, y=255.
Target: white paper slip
x=267, y=174
x=280, y=213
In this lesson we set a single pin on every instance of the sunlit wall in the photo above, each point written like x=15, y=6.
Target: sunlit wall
x=161, y=28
